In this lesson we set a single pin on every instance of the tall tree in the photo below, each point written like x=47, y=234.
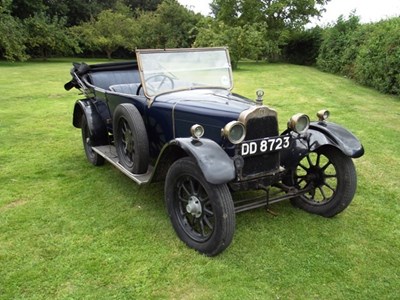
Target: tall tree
x=75, y=11
x=48, y=36
x=277, y=14
x=12, y=46
x=278, y=17
x=23, y=9
x=243, y=41
x=170, y=26
x=108, y=32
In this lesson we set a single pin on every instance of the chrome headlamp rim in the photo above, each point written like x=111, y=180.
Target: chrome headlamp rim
x=197, y=131
x=323, y=114
x=227, y=132
x=299, y=123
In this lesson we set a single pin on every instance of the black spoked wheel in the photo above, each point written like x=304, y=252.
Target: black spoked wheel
x=330, y=178
x=130, y=139
x=88, y=142
x=202, y=214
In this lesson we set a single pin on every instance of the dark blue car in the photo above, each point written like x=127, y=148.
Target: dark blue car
x=171, y=116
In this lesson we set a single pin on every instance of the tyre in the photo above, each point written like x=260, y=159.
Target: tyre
x=88, y=141
x=130, y=139
x=201, y=213
x=331, y=179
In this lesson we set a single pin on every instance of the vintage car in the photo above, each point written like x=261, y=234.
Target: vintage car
x=171, y=116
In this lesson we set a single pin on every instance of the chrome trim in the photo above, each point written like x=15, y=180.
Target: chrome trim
x=295, y=119
x=255, y=112
x=323, y=114
x=226, y=131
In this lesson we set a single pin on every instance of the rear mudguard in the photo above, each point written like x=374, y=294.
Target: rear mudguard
x=216, y=166
x=97, y=128
x=321, y=134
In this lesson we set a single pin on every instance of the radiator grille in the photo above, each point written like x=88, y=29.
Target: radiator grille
x=258, y=128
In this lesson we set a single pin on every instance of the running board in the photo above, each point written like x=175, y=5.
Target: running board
x=110, y=154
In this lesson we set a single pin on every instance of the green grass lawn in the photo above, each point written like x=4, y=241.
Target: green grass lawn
x=69, y=230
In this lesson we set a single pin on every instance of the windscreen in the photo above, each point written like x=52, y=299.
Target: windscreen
x=180, y=69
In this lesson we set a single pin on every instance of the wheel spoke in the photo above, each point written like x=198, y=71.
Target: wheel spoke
x=207, y=211
x=322, y=193
x=309, y=160
x=185, y=189
x=208, y=223
x=123, y=127
x=182, y=199
x=331, y=176
x=201, y=223
x=125, y=147
x=192, y=188
x=312, y=193
x=301, y=177
x=329, y=187
x=326, y=166
x=317, y=162
x=204, y=199
x=303, y=166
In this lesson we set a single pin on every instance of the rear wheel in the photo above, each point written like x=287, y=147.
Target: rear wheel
x=331, y=181
x=88, y=142
x=130, y=139
x=202, y=214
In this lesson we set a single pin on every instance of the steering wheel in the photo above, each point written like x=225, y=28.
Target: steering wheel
x=158, y=82
x=138, y=89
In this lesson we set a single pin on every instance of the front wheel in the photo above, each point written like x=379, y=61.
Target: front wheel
x=330, y=179
x=201, y=213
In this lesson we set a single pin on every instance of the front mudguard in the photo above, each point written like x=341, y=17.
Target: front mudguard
x=216, y=166
x=97, y=128
x=321, y=134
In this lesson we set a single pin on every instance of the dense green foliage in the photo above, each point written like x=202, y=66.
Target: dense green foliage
x=12, y=46
x=302, y=47
x=108, y=32
x=368, y=53
x=378, y=61
x=69, y=230
x=253, y=29
x=278, y=19
x=170, y=26
x=337, y=43
x=75, y=11
x=243, y=41
x=99, y=26
x=261, y=30
x=47, y=35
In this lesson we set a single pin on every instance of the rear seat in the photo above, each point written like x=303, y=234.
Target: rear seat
x=106, y=79
x=130, y=88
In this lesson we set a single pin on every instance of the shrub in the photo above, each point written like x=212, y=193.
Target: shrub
x=378, y=61
x=336, y=40
x=303, y=46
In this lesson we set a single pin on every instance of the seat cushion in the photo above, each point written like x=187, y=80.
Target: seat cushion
x=130, y=88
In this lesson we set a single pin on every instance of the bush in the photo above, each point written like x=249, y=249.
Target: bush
x=368, y=53
x=378, y=61
x=13, y=37
x=302, y=47
x=243, y=41
x=333, y=55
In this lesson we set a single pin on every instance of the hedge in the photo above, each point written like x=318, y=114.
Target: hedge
x=368, y=53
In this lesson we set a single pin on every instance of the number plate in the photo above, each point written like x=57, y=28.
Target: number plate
x=265, y=145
